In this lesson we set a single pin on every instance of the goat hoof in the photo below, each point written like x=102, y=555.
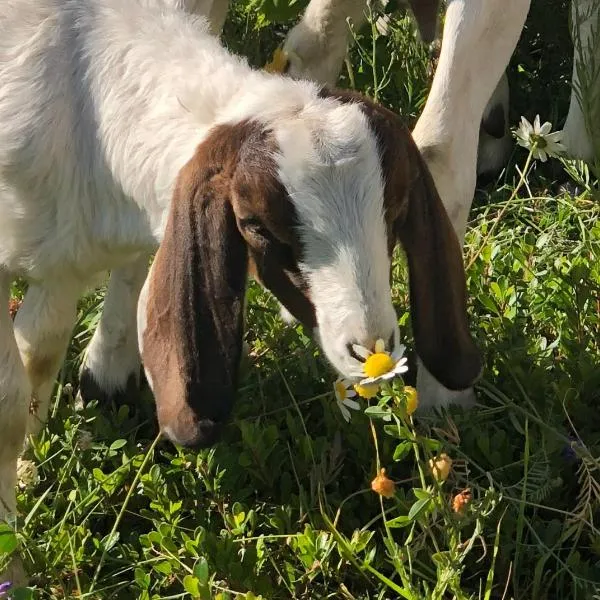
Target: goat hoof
x=90, y=389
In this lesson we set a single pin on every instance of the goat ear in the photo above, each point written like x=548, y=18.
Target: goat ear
x=437, y=283
x=426, y=15
x=191, y=345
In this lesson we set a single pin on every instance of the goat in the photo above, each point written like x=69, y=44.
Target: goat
x=479, y=38
x=316, y=47
x=126, y=128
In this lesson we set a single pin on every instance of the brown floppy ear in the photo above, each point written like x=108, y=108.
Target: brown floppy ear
x=426, y=15
x=437, y=282
x=194, y=312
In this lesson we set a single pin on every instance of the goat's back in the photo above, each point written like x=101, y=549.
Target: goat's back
x=91, y=127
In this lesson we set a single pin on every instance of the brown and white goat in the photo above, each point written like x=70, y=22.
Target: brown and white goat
x=126, y=128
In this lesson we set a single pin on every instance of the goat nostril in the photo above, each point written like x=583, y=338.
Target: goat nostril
x=352, y=353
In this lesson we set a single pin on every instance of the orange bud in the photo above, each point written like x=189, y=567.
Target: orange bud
x=383, y=486
x=461, y=500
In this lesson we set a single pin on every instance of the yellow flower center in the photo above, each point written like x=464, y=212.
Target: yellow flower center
x=377, y=364
x=341, y=390
x=366, y=391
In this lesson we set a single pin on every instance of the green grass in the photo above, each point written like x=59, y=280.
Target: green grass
x=282, y=507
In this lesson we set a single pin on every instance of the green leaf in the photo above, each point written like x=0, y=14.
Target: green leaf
x=163, y=567
x=376, y=412
x=142, y=578
x=201, y=571
x=117, y=444
x=21, y=594
x=418, y=507
x=8, y=539
x=402, y=450
x=401, y=521
x=421, y=494
x=192, y=586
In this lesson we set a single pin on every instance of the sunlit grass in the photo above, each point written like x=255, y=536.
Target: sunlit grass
x=283, y=506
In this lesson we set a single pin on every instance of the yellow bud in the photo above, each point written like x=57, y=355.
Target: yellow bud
x=412, y=399
x=440, y=467
x=366, y=391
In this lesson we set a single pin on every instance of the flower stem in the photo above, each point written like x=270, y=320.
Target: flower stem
x=503, y=210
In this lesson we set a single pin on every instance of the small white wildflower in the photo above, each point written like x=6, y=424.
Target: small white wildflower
x=27, y=474
x=538, y=139
x=380, y=365
x=343, y=392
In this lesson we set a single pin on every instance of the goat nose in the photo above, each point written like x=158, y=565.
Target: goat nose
x=185, y=429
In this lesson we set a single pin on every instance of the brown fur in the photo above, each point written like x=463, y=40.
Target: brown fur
x=227, y=206
x=416, y=217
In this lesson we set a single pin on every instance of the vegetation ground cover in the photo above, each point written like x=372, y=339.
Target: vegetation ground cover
x=283, y=507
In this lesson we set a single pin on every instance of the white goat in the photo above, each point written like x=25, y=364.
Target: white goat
x=478, y=39
x=125, y=126
x=316, y=48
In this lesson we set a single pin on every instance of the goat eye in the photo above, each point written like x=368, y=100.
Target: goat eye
x=252, y=226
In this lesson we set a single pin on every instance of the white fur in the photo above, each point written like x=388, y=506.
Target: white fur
x=112, y=357
x=101, y=104
x=576, y=136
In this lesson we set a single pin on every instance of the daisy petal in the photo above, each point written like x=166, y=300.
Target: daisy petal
x=379, y=346
x=398, y=352
x=536, y=124
x=357, y=374
x=526, y=126
x=554, y=137
x=345, y=412
x=546, y=128
x=350, y=393
x=361, y=351
x=352, y=404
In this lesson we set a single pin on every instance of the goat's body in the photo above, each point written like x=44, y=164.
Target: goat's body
x=101, y=105
x=89, y=150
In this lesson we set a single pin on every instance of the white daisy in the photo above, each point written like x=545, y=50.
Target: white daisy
x=538, y=139
x=343, y=392
x=380, y=365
